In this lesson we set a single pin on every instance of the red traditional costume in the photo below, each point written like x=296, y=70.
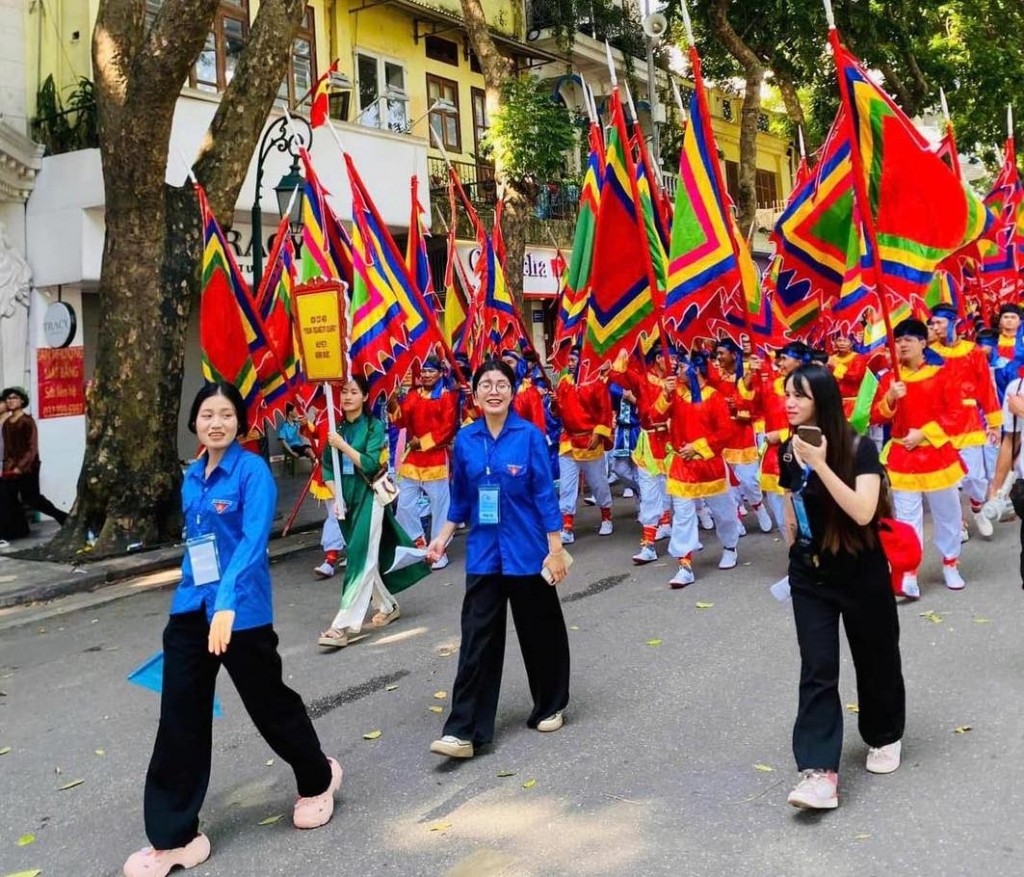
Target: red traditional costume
x=848, y=369
x=432, y=419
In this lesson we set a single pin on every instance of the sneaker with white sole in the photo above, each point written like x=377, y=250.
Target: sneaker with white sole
x=627, y=493
x=817, y=790
x=316, y=810
x=589, y=500
x=664, y=531
x=764, y=520
x=605, y=529
x=568, y=537
x=453, y=747
x=148, y=862
x=682, y=578
x=704, y=518
x=729, y=559
x=984, y=525
x=324, y=571
x=965, y=534
x=884, y=759
x=909, y=587
x=646, y=554
x=742, y=530
x=551, y=723
x=440, y=563
x=954, y=581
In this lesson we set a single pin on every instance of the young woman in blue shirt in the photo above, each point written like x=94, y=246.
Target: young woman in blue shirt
x=222, y=614
x=503, y=489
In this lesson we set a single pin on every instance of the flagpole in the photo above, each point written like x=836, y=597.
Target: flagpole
x=335, y=461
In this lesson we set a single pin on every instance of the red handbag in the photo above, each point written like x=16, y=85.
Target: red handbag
x=902, y=549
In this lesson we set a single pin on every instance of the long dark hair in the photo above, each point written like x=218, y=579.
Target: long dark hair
x=841, y=531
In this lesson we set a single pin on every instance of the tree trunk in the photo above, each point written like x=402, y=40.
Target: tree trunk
x=129, y=487
x=791, y=100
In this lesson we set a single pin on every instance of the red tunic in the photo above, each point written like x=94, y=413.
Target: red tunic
x=849, y=371
x=933, y=404
x=775, y=420
x=529, y=404
x=586, y=411
x=740, y=445
x=968, y=367
x=432, y=421
x=652, y=412
x=697, y=424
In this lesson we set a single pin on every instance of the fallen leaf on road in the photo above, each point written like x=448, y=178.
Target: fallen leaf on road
x=764, y=768
x=5, y=750
x=440, y=695
x=654, y=642
x=390, y=687
x=35, y=872
x=529, y=784
x=440, y=826
x=702, y=605
x=507, y=773
x=26, y=839
x=70, y=785
x=371, y=735
x=436, y=709
x=982, y=621
x=932, y=616
x=573, y=627
x=270, y=762
x=963, y=729
x=861, y=836
x=853, y=708
x=101, y=751
x=270, y=820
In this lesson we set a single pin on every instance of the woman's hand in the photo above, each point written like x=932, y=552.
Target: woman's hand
x=555, y=564
x=220, y=631
x=335, y=440
x=436, y=549
x=809, y=454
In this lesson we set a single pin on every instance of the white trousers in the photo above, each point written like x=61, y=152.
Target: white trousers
x=945, y=508
x=331, y=538
x=596, y=473
x=749, y=477
x=408, y=514
x=370, y=587
x=776, y=502
x=625, y=468
x=975, y=483
x=685, y=537
x=654, y=501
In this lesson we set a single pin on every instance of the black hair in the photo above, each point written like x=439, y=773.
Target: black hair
x=228, y=391
x=493, y=365
x=364, y=388
x=288, y=409
x=841, y=531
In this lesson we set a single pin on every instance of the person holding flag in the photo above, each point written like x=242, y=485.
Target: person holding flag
x=848, y=368
x=1008, y=324
x=528, y=402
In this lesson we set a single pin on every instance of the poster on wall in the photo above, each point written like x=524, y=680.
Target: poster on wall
x=61, y=372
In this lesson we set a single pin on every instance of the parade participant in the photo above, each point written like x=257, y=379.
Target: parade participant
x=1010, y=456
x=20, y=470
x=428, y=415
x=741, y=387
x=978, y=421
x=696, y=470
x=289, y=434
x=222, y=614
x=1008, y=326
x=586, y=414
x=502, y=487
x=848, y=368
x=837, y=569
x=789, y=359
x=924, y=406
x=646, y=384
x=528, y=403
x=624, y=440
x=369, y=527
x=314, y=428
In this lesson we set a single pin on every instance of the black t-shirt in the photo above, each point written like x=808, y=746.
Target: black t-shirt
x=791, y=477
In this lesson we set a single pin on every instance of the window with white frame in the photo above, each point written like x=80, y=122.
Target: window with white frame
x=383, y=100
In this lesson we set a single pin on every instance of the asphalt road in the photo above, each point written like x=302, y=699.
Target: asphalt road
x=675, y=758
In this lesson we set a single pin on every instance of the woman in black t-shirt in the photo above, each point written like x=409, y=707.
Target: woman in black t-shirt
x=837, y=568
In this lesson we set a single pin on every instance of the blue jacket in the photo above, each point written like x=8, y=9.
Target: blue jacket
x=519, y=467
x=236, y=504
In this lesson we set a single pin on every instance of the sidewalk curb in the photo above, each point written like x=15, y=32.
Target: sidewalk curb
x=92, y=576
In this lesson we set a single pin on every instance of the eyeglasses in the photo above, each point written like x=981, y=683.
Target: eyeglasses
x=501, y=387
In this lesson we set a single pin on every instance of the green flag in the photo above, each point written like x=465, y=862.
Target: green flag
x=861, y=414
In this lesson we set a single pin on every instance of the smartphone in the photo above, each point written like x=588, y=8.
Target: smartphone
x=546, y=573
x=810, y=434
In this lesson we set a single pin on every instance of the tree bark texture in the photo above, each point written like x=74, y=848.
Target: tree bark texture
x=128, y=490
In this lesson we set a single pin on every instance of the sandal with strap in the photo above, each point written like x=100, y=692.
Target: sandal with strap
x=332, y=638
x=383, y=619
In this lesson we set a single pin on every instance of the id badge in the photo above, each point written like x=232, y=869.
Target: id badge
x=347, y=466
x=202, y=554
x=803, y=524
x=490, y=510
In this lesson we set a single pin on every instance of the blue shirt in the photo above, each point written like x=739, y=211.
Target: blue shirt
x=288, y=432
x=236, y=504
x=528, y=506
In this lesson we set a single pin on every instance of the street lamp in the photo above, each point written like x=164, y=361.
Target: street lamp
x=288, y=200
x=280, y=137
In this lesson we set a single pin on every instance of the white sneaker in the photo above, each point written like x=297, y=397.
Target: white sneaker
x=440, y=563
x=682, y=578
x=627, y=493
x=965, y=535
x=704, y=519
x=589, y=500
x=954, y=581
x=909, y=587
x=605, y=529
x=818, y=790
x=664, y=531
x=884, y=759
x=324, y=571
x=984, y=525
x=743, y=530
x=646, y=554
x=568, y=537
x=453, y=747
x=612, y=479
x=551, y=723
x=764, y=520
x=728, y=560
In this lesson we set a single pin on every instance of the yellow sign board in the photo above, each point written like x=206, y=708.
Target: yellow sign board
x=320, y=328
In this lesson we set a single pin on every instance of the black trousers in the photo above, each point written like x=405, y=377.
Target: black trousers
x=860, y=592
x=543, y=640
x=179, y=770
x=20, y=493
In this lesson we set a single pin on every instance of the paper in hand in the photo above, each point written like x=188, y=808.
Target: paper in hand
x=406, y=557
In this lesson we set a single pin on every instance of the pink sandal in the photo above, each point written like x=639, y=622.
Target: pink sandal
x=148, y=862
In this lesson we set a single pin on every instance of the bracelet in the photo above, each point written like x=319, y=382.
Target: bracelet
x=556, y=553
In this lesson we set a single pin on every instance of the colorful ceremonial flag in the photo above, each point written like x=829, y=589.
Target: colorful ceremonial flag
x=501, y=324
x=860, y=417
x=326, y=246
x=622, y=312
x=1002, y=253
x=416, y=251
x=320, y=108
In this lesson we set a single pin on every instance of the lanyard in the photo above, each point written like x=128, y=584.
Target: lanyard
x=490, y=445
x=800, y=509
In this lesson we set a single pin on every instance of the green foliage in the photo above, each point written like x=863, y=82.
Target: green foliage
x=529, y=135
x=68, y=124
x=619, y=23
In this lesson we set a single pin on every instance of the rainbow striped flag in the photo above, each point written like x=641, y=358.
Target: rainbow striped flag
x=1002, y=254
x=622, y=313
x=326, y=246
x=416, y=259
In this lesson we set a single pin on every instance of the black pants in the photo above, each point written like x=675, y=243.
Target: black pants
x=859, y=591
x=179, y=771
x=543, y=641
x=20, y=493
x=1022, y=552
